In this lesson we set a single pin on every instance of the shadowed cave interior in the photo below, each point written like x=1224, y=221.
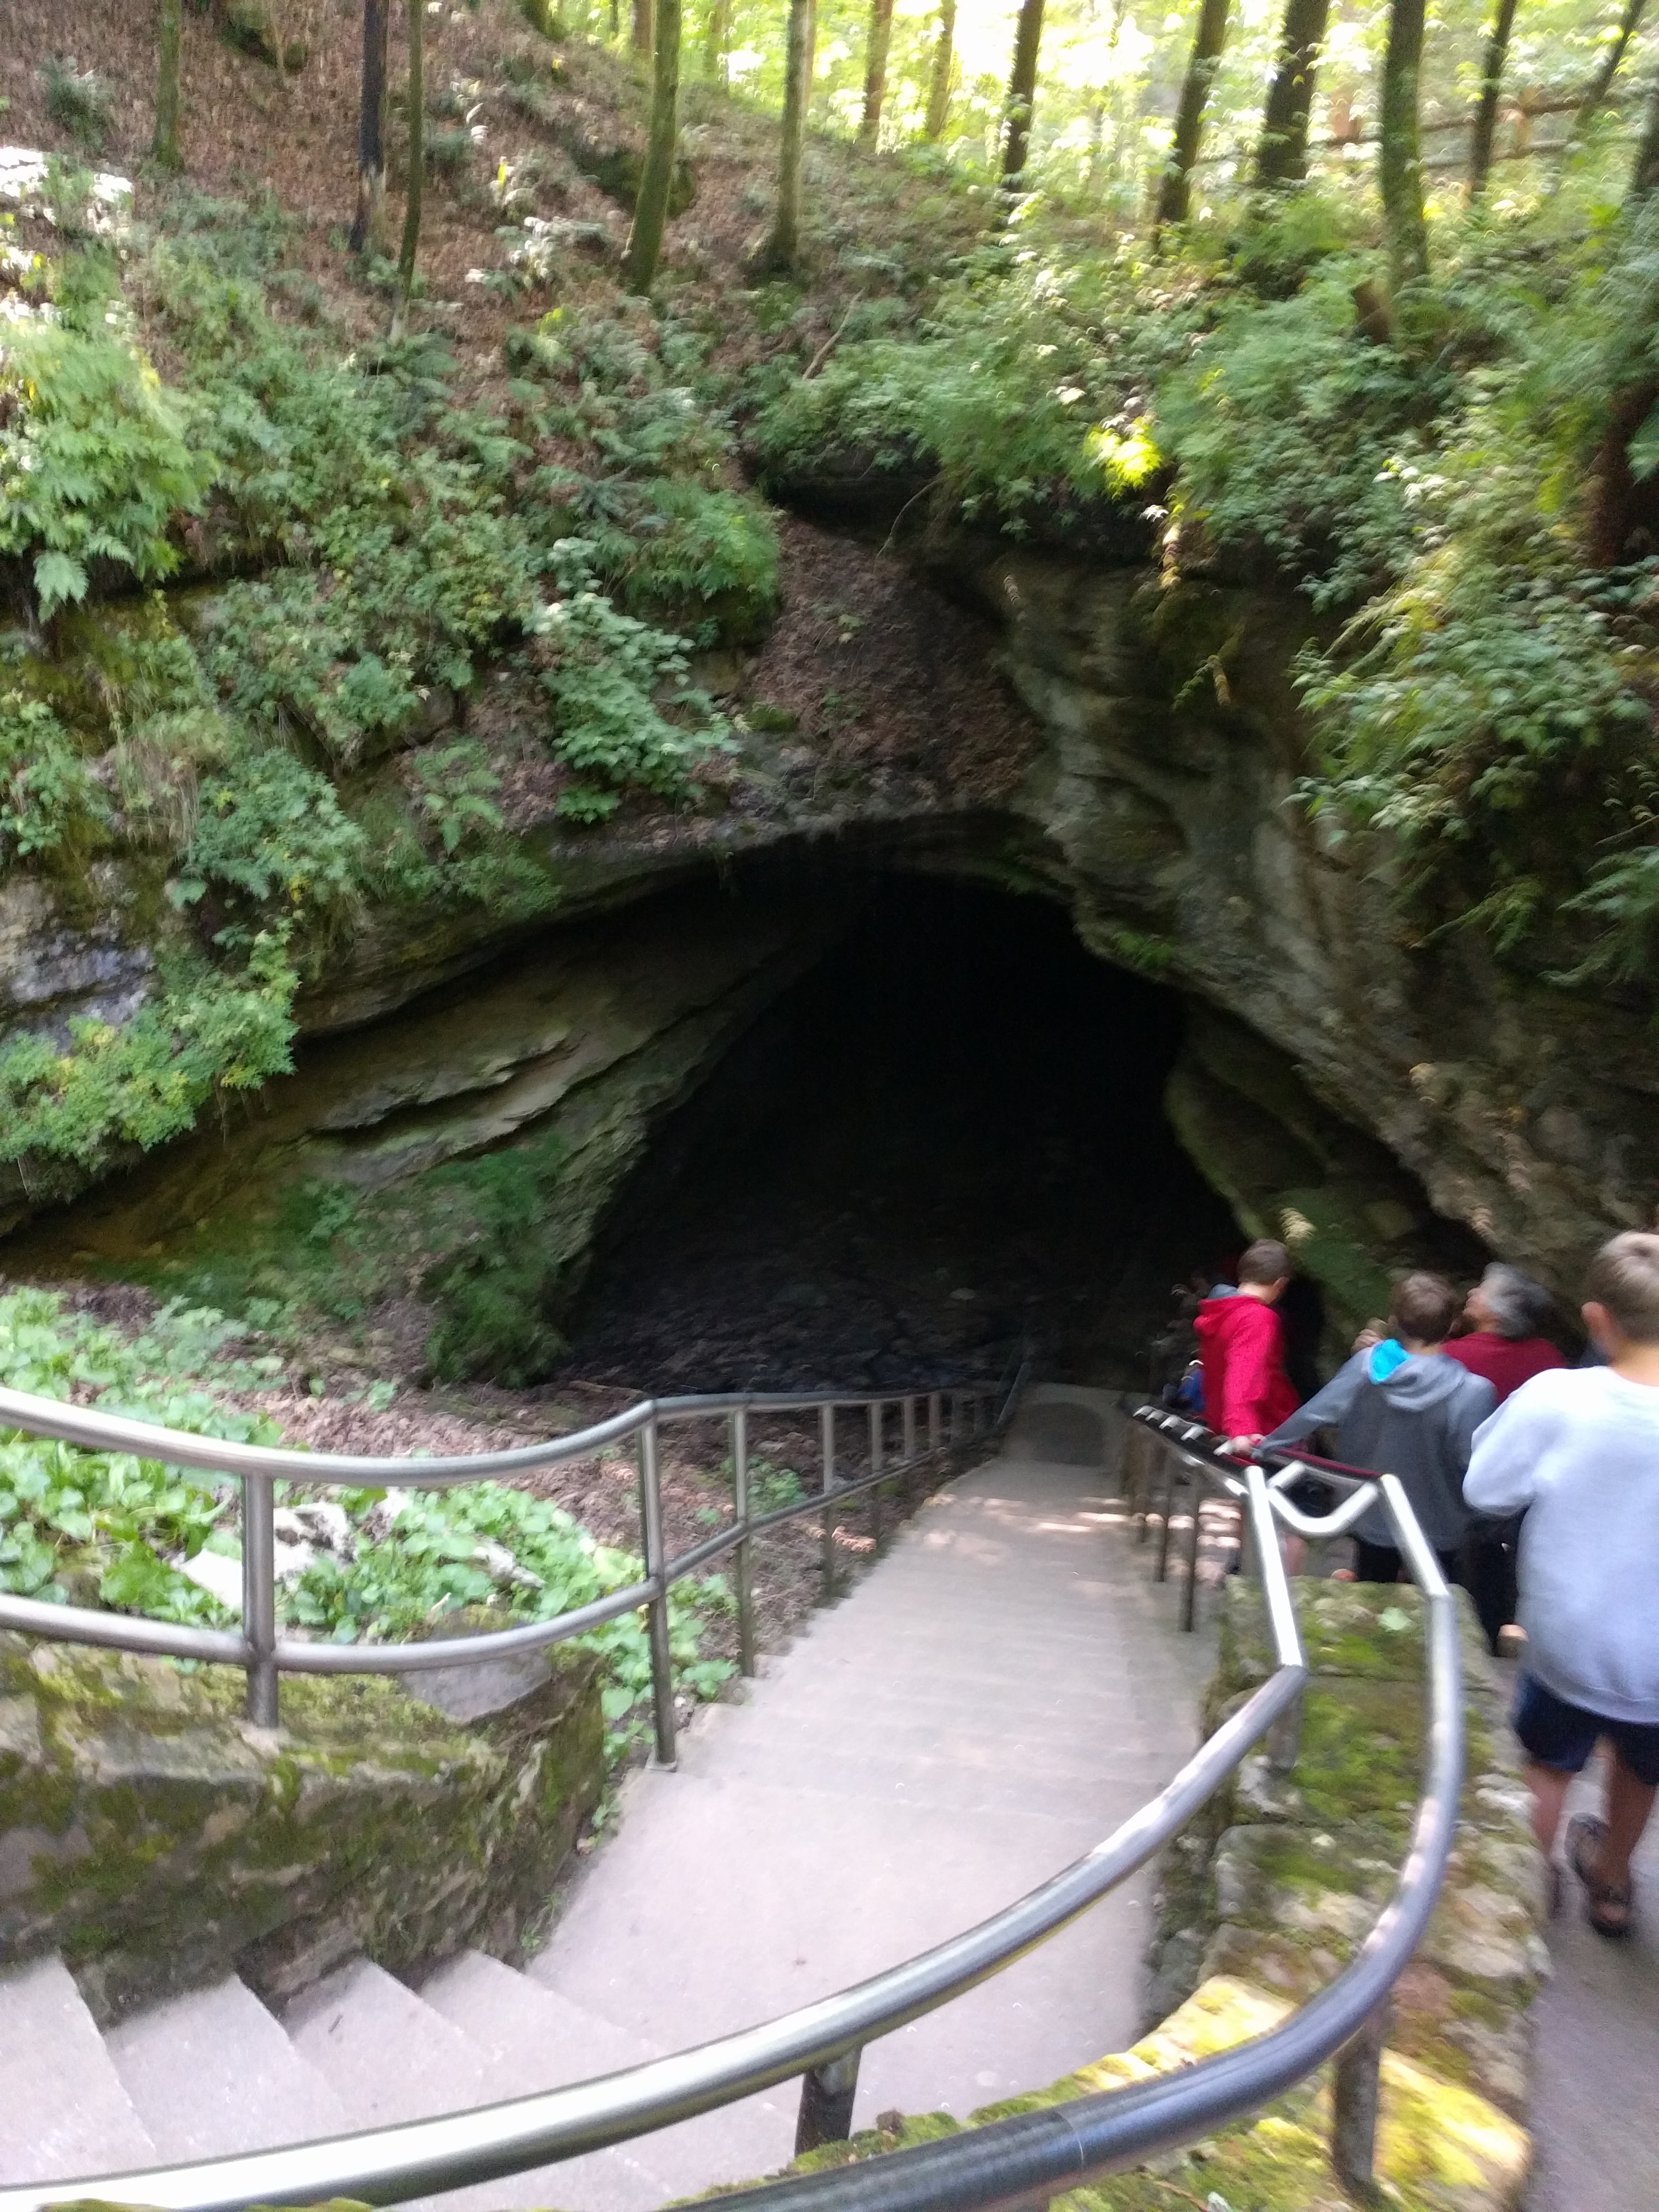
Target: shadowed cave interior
x=947, y=1136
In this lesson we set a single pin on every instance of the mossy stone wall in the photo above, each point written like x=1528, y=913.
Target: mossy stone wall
x=157, y=1839
x=1280, y=1878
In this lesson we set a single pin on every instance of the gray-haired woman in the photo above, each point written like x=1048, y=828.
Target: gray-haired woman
x=1505, y=1310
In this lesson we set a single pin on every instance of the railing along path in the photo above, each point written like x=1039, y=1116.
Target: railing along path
x=1025, y=2160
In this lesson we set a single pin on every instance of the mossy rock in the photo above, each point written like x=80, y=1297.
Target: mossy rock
x=160, y=1840
x=250, y=27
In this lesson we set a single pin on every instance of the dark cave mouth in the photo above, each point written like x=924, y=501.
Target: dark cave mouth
x=947, y=1137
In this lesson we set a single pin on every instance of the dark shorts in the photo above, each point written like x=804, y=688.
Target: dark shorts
x=1563, y=1736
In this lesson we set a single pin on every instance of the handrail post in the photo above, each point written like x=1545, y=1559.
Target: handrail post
x=1170, y=1478
x=935, y=1421
x=877, y=1413
x=827, y=2093
x=826, y=1524
x=743, y=1562
x=908, y=1439
x=656, y=1559
x=259, y=1599
x=1357, y=2089
x=1190, y=1600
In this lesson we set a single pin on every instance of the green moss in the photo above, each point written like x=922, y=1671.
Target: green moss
x=186, y=1843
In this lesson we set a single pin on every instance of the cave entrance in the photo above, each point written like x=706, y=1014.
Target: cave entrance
x=949, y=1134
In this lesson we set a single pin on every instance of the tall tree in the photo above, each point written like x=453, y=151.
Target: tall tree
x=1602, y=83
x=645, y=26
x=662, y=143
x=1021, y=92
x=411, y=238
x=1282, y=156
x=718, y=43
x=939, y=72
x=164, y=146
x=1401, y=163
x=781, y=250
x=369, y=224
x=1645, y=174
x=1491, y=81
x=1175, y=193
x=875, y=72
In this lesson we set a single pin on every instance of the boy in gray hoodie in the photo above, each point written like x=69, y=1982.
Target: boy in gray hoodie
x=1400, y=1407
x=1578, y=1449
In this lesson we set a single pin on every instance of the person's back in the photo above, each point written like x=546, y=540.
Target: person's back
x=1241, y=1343
x=1399, y=1408
x=1580, y=1448
x=1579, y=1452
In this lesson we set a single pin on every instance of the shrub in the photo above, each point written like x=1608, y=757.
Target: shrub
x=95, y=458
x=78, y=102
x=45, y=790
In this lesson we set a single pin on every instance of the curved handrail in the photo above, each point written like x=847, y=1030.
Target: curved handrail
x=1001, y=2165
x=266, y=1656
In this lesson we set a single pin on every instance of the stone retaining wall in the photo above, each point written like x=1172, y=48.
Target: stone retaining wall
x=157, y=1839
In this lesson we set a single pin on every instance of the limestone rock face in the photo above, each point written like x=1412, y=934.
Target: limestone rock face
x=1164, y=808
x=1384, y=1104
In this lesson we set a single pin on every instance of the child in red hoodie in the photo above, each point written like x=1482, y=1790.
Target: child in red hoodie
x=1241, y=1340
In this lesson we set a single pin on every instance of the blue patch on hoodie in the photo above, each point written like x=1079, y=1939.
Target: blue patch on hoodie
x=1385, y=1358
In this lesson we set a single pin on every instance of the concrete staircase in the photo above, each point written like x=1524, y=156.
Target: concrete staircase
x=1005, y=1687
x=214, y=2072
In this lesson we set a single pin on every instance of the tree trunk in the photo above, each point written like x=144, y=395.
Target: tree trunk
x=1645, y=175
x=657, y=178
x=939, y=76
x=875, y=72
x=1174, y=194
x=164, y=146
x=1282, y=156
x=1602, y=83
x=781, y=251
x=411, y=242
x=1022, y=93
x=1491, y=81
x=1404, y=223
x=369, y=225
x=645, y=26
x=718, y=44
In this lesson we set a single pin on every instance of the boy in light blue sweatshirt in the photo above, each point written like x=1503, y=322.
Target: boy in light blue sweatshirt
x=1578, y=1450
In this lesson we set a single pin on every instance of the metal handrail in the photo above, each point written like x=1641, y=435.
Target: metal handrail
x=266, y=1655
x=1032, y=2156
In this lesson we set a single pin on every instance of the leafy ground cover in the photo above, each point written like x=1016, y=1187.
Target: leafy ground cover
x=114, y=1530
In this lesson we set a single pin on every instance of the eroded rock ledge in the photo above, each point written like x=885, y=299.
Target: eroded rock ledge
x=1341, y=1081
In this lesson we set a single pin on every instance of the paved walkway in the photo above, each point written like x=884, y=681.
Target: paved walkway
x=1595, y=2096
x=1001, y=1690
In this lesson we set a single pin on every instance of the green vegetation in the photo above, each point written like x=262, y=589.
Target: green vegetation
x=1435, y=473
x=110, y=1530
x=234, y=738
x=471, y=1239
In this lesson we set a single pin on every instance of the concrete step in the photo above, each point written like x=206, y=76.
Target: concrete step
x=387, y=2054
x=534, y=2038
x=540, y=2038
x=64, y=2111
x=212, y=2074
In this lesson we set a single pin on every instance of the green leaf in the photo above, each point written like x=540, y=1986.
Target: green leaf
x=58, y=578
